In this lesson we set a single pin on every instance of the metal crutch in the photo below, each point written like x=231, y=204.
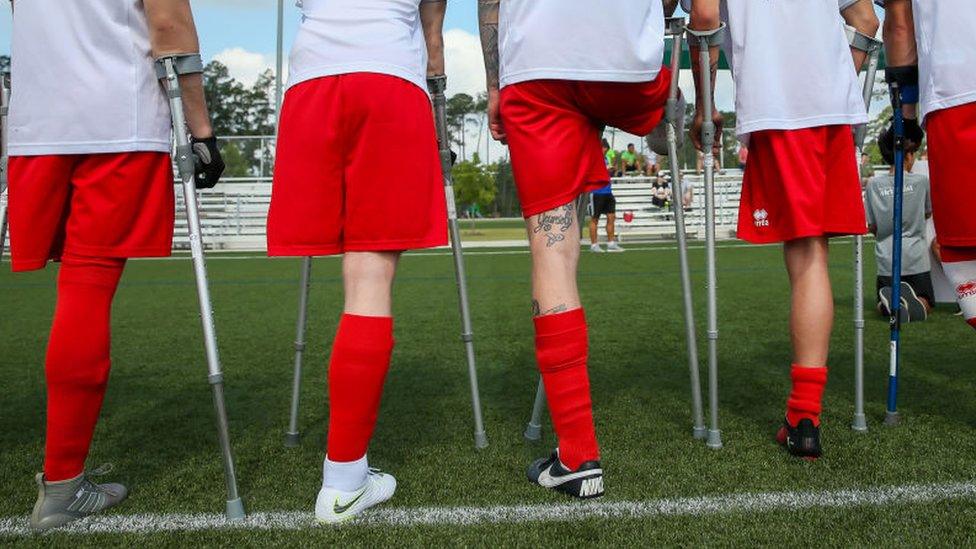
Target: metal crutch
x=168, y=70
x=891, y=410
x=706, y=40
x=872, y=47
x=437, y=86
x=675, y=28
x=4, y=157
x=292, y=436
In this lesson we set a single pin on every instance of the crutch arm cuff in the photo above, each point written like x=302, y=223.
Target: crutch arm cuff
x=714, y=37
x=860, y=41
x=674, y=26
x=184, y=63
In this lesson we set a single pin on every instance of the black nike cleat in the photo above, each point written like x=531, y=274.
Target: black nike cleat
x=583, y=483
x=801, y=441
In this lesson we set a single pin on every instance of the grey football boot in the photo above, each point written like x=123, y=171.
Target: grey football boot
x=64, y=501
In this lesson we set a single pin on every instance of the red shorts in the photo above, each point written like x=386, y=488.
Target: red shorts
x=952, y=147
x=357, y=169
x=554, y=129
x=96, y=205
x=801, y=183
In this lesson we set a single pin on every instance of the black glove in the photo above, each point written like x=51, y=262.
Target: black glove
x=913, y=139
x=208, y=164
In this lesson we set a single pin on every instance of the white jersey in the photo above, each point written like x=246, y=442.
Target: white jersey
x=945, y=31
x=587, y=40
x=347, y=36
x=792, y=66
x=83, y=80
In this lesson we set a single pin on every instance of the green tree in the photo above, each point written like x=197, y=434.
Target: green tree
x=236, y=110
x=474, y=183
x=460, y=108
x=237, y=164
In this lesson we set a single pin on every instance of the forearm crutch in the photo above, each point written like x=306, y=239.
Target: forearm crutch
x=292, y=436
x=4, y=156
x=872, y=47
x=705, y=40
x=894, y=322
x=668, y=145
x=168, y=69
x=437, y=86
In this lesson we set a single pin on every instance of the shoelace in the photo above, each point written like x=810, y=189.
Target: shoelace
x=99, y=471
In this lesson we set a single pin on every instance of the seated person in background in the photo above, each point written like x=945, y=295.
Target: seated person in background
x=650, y=164
x=917, y=292
x=661, y=193
x=631, y=160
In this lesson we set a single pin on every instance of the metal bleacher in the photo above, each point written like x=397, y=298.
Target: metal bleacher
x=648, y=221
x=233, y=213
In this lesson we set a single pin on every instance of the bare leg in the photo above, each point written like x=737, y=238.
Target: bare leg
x=611, y=229
x=368, y=280
x=812, y=303
x=554, y=243
x=594, y=224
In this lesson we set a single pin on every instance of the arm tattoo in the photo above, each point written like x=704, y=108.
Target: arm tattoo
x=488, y=23
x=560, y=218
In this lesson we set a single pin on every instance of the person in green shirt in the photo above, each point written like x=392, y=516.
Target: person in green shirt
x=632, y=161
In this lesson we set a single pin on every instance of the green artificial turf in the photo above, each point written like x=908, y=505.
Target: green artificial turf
x=157, y=422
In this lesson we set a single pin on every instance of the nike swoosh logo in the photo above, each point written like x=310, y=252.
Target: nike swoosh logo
x=548, y=481
x=340, y=509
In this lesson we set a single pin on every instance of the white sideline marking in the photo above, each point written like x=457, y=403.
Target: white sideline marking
x=463, y=516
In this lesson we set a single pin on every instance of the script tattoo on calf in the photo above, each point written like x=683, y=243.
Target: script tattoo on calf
x=537, y=310
x=548, y=222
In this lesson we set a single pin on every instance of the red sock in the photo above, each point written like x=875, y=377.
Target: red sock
x=561, y=351
x=78, y=361
x=360, y=359
x=808, y=388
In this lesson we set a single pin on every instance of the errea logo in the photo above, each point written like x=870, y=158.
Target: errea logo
x=966, y=289
x=761, y=218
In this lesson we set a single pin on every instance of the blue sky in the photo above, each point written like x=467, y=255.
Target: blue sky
x=250, y=24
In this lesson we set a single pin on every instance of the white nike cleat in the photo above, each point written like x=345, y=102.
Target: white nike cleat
x=595, y=248
x=613, y=246
x=334, y=506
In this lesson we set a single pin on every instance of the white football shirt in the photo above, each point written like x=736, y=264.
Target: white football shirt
x=792, y=66
x=83, y=81
x=347, y=36
x=945, y=31
x=587, y=40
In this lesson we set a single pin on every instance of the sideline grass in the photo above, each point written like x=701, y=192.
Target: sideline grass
x=157, y=422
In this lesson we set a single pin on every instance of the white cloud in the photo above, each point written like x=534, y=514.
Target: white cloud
x=245, y=66
x=465, y=64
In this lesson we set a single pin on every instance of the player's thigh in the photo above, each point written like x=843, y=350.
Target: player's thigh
x=555, y=148
x=306, y=213
x=122, y=205
x=38, y=195
x=952, y=146
x=395, y=198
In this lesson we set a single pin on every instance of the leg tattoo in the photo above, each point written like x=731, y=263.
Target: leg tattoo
x=561, y=220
